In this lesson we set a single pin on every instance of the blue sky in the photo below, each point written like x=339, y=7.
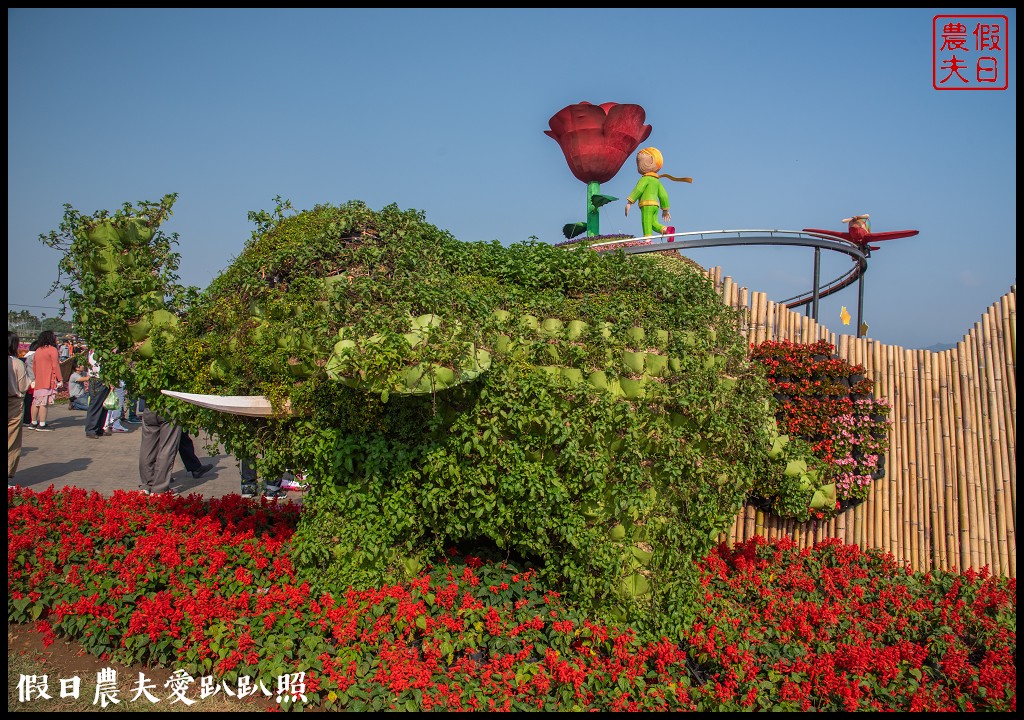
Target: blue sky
x=785, y=119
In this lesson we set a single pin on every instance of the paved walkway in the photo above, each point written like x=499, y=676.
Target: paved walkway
x=66, y=457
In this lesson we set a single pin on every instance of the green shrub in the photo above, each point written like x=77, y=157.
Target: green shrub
x=595, y=415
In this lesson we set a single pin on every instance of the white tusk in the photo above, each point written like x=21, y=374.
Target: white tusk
x=251, y=405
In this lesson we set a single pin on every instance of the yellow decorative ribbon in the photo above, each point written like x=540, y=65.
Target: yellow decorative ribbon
x=670, y=177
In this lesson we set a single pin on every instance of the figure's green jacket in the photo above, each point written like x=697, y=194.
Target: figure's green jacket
x=649, y=191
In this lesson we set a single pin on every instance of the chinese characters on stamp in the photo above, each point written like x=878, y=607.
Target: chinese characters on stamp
x=970, y=52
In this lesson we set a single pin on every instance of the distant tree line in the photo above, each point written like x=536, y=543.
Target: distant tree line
x=28, y=325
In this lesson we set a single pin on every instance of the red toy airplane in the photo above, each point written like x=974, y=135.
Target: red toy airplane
x=859, y=232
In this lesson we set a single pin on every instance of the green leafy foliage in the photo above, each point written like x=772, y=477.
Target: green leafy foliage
x=118, y=275
x=593, y=414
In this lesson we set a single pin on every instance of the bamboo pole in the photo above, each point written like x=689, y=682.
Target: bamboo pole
x=757, y=319
x=977, y=447
x=916, y=533
x=898, y=443
x=1011, y=372
x=1011, y=302
x=996, y=447
x=1009, y=327
x=891, y=479
x=936, y=463
x=1000, y=461
x=763, y=318
x=923, y=408
x=1009, y=367
x=980, y=446
x=879, y=487
x=986, y=428
x=1006, y=447
x=929, y=518
x=970, y=453
x=962, y=461
x=949, y=460
x=993, y=446
x=909, y=461
x=745, y=328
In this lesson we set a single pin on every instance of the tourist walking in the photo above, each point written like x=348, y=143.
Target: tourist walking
x=187, y=453
x=159, y=447
x=96, y=414
x=46, y=371
x=17, y=386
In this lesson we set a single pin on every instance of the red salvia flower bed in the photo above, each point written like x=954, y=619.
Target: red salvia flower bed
x=207, y=586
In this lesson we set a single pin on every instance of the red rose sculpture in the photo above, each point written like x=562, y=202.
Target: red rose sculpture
x=597, y=139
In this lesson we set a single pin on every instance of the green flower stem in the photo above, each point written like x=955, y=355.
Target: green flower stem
x=593, y=216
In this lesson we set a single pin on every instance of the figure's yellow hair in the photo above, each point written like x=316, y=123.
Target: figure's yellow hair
x=655, y=153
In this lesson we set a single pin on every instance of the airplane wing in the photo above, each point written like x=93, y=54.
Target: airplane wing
x=251, y=405
x=838, y=233
x=891, y=235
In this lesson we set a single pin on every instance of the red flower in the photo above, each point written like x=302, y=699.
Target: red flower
x=597, y=139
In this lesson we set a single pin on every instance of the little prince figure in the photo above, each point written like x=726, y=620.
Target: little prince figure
x=651, y=193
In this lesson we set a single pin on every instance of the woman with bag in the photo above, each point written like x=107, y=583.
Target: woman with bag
x=46, y=369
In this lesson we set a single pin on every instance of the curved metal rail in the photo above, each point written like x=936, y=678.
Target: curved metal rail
x=795, y=238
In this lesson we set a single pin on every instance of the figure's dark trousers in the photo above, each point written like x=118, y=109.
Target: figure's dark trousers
x=96, y=414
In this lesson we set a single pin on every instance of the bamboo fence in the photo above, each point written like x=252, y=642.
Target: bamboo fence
x=949, y=496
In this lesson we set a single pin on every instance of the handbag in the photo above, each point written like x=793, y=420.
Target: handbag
x=111, y=403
